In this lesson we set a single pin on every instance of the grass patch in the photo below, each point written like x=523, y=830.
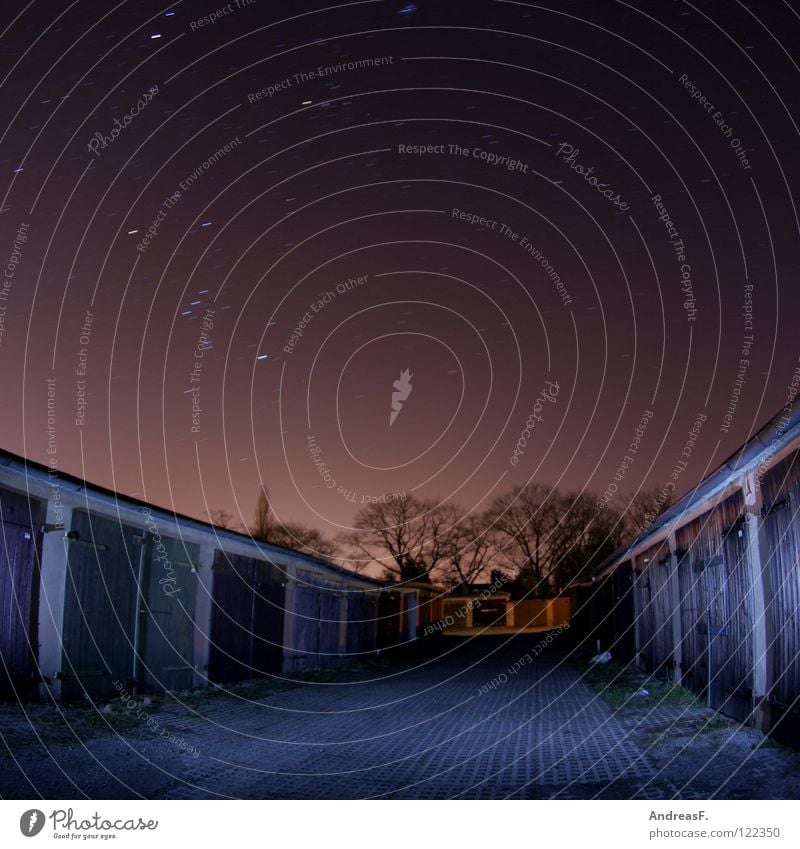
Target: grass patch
x=256, y=689
x=118, y=719
x=624, y=685
x=50, y=724
x=251, y=690
x=66, y=722
x=345, y=672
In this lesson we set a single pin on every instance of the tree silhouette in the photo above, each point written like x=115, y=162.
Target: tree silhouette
x=408, y=538
x=222, y=518
x=293, y=535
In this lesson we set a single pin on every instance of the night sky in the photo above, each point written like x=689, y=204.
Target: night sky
x=223, y=258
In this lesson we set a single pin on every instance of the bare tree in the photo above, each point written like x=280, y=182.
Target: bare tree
x=263, y=523
x=221, y=518
x=524, y=520
x=301, y=538
x=408, y=538
x=640, y=509
x=293, y=535
x=548, y=538
x=468, y=549
x=583, y=538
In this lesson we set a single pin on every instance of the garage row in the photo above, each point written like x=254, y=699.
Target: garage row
x=709, y=596
x=98, y=589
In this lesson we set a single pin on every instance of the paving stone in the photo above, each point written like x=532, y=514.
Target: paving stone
x=426, y=731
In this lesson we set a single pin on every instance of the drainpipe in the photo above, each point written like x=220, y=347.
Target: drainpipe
x=141, y=541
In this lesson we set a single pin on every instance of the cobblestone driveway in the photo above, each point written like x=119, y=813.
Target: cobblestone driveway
x=414, y=732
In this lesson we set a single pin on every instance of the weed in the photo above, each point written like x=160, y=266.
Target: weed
x=625, y=686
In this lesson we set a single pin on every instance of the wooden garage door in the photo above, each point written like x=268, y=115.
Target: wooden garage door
x=781, y=492
x=390, y=626
x=99, y=606
x=19, y=593
x=624, y=644
x=317, y=616
x=716, y=608
x=692, y=555
x=729, y=596
x=655, y=609
x=361, y=623
x=247, y=618
x=168, y=625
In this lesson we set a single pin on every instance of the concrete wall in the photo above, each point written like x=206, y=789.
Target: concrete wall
x=51, y=599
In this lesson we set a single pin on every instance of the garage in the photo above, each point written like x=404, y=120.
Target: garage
x=247, y=618
x=99, y=605
x=318, y=609
x=781, y=494
x=19, y=592
x=168, y=614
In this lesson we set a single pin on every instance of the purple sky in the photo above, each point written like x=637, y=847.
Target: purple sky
x=482, y=173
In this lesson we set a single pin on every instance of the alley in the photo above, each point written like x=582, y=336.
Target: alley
x=470, y=722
